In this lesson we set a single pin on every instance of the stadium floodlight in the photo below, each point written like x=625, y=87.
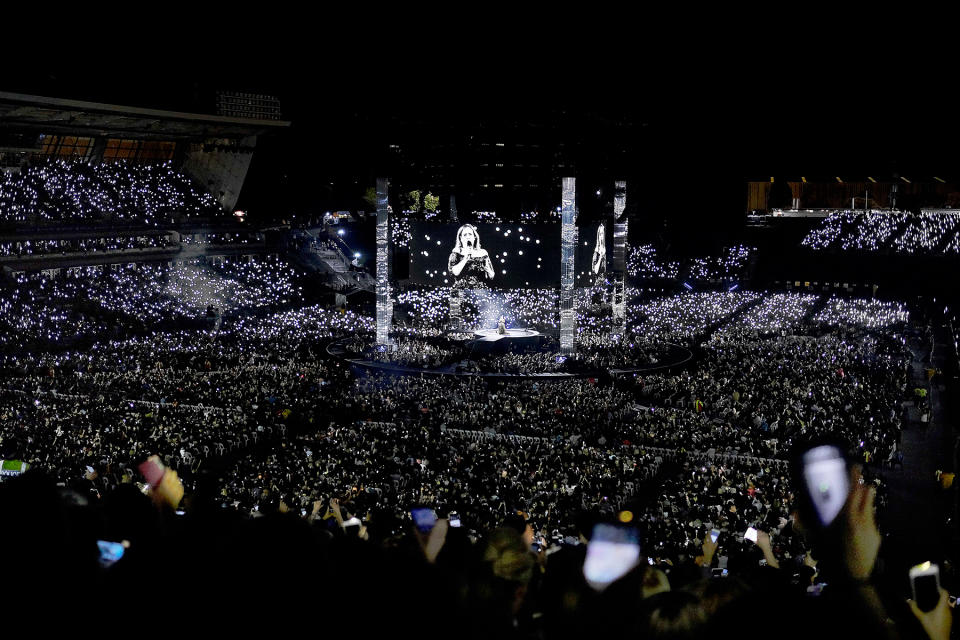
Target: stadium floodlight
x=340, y=232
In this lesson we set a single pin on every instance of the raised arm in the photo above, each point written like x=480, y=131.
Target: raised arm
x=457, y=262
x=599, y=254
x=763, y=541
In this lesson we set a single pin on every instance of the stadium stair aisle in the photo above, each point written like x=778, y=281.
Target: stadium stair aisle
x=815, y=308
x=709, y=330
x=916, y=514
x=890, y=243
x=941, y=246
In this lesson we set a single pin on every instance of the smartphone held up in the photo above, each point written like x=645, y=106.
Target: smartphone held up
x=925, y=585
x=423, y=518
x=825, y=484
x=613, y=551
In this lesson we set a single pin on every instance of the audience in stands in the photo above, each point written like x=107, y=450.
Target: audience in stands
x=888, y=232
x=299, y=471
x=58, y=190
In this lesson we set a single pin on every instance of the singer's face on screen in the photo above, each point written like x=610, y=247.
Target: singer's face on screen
x=468, y=238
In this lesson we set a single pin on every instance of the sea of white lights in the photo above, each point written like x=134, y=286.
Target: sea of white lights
x=730, y=265
x=642, y=262
x=58, y=190
x=902, y=233
x=776, y=312
x=863, y=312
x=228, y=391
x=155, y=292
x=38, y=247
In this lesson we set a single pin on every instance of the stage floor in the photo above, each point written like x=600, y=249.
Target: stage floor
x=680, y=356
x=492, y=335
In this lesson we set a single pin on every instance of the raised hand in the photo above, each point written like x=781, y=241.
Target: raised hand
x=936, y=623
x=861, y=538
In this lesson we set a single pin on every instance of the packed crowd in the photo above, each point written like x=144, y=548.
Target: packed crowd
x=730, y=265
x=203, y=239
x=40, y=247
x=683, y=318
x=153, y=293
x=693, y=410
x=776, y=313
x=73, y=190
x=894, y=232
x=953, y=244
x=61, y=305
x=863, y=312
x=262, y=423
x=642, y=262
x=925, y=232
x=487, y=217
x=551, y=215
x=481, y=309
x=27, y=318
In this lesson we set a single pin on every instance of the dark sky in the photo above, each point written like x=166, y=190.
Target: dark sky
x=706, y=122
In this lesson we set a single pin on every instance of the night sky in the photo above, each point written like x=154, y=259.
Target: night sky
x=696, y=127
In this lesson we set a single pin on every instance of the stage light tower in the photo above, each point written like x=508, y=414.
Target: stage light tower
x=384, y=302
x=568, y=251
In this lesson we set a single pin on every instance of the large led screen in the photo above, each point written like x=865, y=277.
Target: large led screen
x=485, y=256
x=594, y=254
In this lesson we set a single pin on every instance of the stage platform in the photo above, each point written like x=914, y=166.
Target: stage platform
x=492, y=335
x=678, y=357
x=454, y=370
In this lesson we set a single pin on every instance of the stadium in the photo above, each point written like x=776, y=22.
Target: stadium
x=481, y=382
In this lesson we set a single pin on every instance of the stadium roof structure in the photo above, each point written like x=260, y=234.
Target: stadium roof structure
x=75, y=117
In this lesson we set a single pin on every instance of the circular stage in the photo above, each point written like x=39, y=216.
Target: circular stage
x=492, y=335
x=487, y=342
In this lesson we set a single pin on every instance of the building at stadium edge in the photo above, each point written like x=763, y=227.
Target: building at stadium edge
x=213, y=152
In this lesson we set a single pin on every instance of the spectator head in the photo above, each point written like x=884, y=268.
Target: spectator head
x=654, y=581
x=675, y=614
x=508, y=556
x=519, y=523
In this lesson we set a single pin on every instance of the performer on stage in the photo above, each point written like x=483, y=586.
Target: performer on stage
x=502, y=326
x=470, y=265
x=599, y=265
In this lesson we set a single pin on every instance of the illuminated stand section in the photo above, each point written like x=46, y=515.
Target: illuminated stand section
x=384, y=303
x=568, y=248
x=619, y=302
